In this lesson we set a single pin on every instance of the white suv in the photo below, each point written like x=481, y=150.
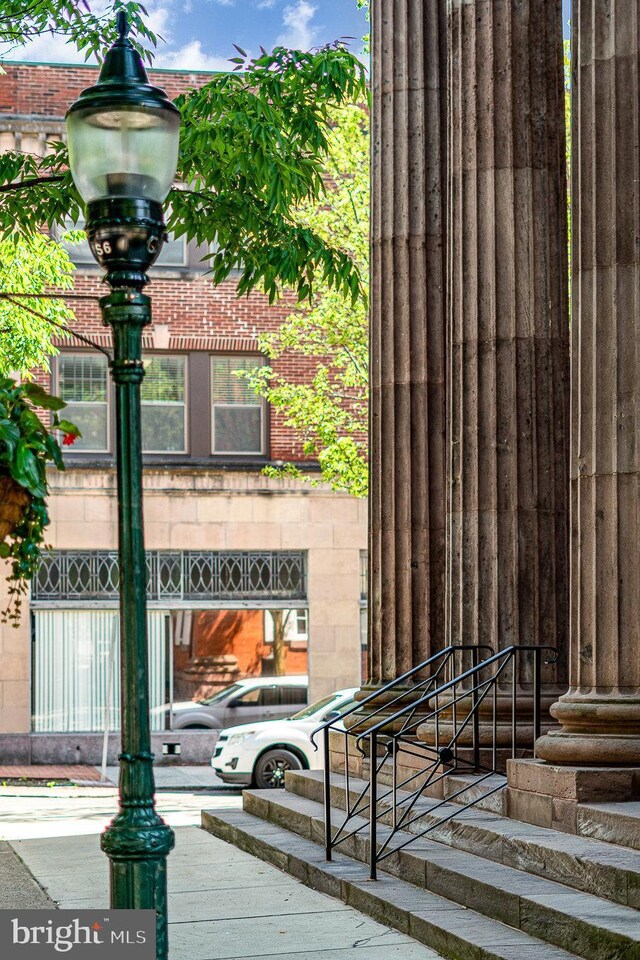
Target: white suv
x=260, y=753
x=257, y=698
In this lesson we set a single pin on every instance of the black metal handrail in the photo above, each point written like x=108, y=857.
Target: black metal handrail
x=393, y=684
x=453, y=705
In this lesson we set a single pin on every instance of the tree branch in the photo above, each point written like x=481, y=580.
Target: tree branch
x=32, y=182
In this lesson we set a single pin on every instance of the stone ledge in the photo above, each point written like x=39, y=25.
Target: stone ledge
x=579, y=784
x=549, y=795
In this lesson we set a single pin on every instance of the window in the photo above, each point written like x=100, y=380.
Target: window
x=83, y=384
x=263, y=696
x=193, y=406
x=269, y=697
x=250, y=699
x=173, y=253
x=237, y=413
x=292, y=696
x=163, y=405
x=300, y=625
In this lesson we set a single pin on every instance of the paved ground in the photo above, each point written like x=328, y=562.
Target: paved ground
x=223, y=903
x=41, y=772
x=181, y=778
x=170, y=777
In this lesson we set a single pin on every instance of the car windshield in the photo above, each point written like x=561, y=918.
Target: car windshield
x=316, y=707
x=222, y=694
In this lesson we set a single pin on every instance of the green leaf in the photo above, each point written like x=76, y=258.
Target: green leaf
x=28, y=471
x=67, y=427
x=40, y=398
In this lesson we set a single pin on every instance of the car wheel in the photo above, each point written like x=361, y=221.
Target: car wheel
x=271, y=767
x=196, y=726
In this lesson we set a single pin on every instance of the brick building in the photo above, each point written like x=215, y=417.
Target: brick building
x=225, y=543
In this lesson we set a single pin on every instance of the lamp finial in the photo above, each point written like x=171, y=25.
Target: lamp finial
x=122, y=24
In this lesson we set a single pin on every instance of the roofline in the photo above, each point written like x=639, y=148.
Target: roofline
x=96, y=66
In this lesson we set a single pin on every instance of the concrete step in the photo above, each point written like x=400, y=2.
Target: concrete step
x=612, y=822
x=465, y=786
x=588, y=925
x=589, y=865
x=449, y=929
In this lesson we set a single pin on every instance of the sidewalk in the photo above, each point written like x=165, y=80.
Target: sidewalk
x=169, y=777
x=223, y=903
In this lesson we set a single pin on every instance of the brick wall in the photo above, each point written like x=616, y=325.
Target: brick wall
x=47, y=90
x=198, y=315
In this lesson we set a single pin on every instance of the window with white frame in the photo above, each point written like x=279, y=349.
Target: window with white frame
x=296, y=628
x=237, y=415
x=83, y=385
x=163, y=395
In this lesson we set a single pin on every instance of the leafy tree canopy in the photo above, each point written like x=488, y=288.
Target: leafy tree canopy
x=330, y=411
x=253, y=148
x=22, y=20
x=31, y=265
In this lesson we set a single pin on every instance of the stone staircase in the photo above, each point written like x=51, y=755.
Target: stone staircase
x=481, y=887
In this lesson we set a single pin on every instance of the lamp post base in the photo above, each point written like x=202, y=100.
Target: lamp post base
x=137, y=843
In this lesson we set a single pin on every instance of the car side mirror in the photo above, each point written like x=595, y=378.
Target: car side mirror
x=331, y=715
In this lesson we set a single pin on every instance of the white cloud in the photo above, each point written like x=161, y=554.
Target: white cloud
x=189, y=57
x=266, y=4
x=299, y=32
x=47, y=48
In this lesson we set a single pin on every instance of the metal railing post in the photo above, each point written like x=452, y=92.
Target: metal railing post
x=537, y=691
x=514, y=699
x=394, y=773
x=373, y=805
x=476, y=718
x=328, y=839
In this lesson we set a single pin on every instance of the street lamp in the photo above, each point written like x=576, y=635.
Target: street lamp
x=123, y=148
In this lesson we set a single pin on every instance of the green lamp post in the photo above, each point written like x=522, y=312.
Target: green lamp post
x=123, y=148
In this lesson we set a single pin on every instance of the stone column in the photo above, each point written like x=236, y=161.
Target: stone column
x=407, y=446
x=600, y=715
x=508, y=378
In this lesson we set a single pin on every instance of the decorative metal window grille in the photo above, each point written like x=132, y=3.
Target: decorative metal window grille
x=189, y=575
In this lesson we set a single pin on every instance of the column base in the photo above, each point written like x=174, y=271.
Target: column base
x=502, y=732
x=596, y=729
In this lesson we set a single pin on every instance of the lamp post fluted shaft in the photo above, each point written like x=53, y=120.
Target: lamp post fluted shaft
x=137, y=841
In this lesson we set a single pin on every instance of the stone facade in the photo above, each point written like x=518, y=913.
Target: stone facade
x=209, y=510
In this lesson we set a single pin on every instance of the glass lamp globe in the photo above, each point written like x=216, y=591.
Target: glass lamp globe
x=123, y=139
x=123, y=150
x=123, y=133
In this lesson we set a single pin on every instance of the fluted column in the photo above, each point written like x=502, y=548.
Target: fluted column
x=600, y=715
x=508, y=393
x=407, y=448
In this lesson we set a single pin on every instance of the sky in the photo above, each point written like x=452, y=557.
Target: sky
x=199, y=34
